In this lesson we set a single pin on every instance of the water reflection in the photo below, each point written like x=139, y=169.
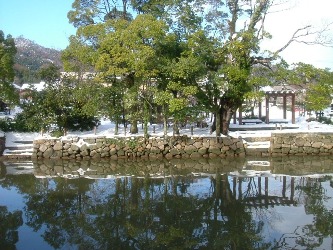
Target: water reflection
x=280, y=203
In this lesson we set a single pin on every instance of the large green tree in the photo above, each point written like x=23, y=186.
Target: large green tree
x=145, y=53
x=61, y=105
x=238, y=28
x=90, y=12
x=213, y=46
x=318, y=86
x=7, y=54
x=128, y=51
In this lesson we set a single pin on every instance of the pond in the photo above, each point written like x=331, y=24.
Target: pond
x=274, y=203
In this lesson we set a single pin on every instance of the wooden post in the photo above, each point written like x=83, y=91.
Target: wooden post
x=293, y=120
x=240, y=116
x=284, y=186
x=284, y=106
x=267, y=109
x=260, y=110
x=292, y=188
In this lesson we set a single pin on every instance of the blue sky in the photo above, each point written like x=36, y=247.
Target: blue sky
x=43, y=21
x=46, y=23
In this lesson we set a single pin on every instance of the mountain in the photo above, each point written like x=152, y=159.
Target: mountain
x=30, y=57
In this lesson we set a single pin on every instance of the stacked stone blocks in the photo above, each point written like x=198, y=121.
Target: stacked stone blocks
x=302, y=143
x=138, y=147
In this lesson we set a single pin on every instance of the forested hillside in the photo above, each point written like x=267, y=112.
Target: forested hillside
x=30, y=58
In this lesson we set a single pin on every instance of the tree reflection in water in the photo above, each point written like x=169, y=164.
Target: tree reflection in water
x=9, y=224
x=175, y=209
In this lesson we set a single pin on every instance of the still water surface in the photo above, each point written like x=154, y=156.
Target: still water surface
x=279, y=203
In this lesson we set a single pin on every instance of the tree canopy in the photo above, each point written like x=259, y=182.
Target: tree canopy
x=7, y=73
x=178, y=56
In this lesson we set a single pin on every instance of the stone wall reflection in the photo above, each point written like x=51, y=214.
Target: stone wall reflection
x=104, y=168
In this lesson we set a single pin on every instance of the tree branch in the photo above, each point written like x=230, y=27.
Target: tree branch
x=320, y=37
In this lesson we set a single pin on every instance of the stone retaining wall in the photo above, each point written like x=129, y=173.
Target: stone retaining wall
x=301, y=143
x=138, y=147
x=281, y=144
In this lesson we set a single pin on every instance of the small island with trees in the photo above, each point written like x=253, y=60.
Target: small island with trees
x=146, y=62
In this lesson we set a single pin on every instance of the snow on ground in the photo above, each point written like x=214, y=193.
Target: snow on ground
x=107, y=128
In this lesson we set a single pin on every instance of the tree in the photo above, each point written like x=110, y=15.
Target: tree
x=216, y=49
x=319, y=91
x=238, y=27
x=87, y=12
x=78, y=57
x=112, y=103
x=128, y=51
x=10, y=222
x=241, y=30
x=7, y=53
x=62, y=103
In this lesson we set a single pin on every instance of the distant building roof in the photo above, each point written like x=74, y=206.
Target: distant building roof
x=266, y=88
x=284, y=87
x=37, y=86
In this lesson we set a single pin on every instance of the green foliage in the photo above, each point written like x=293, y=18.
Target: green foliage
x=18, y=124
x=318, y=97
x=132, y=143
x=7, y=73
x=115, y=141
x=319, y=91
x=325, y=120
x=179, y=56
x=177, y=97
x=6, y=125
x=177, y=104
x=130, y=46
x=62, y=104
x=57, y=133
x=21, y=124
x=49, y=73
x=78, y=57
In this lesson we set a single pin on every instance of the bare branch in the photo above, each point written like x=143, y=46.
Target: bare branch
x=297, y=34
x=300, y=35
x=281, y=6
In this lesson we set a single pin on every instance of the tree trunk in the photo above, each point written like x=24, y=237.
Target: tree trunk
x=116, y=128
x=226, y=114
x=213, y=127
x=145, y=120
x=221, y=121
x=165, y=122
x=218, y=123
x=134, y=127
x=175, y=128
x=145, y=129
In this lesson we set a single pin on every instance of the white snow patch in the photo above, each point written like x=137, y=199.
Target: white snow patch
x=107, y=129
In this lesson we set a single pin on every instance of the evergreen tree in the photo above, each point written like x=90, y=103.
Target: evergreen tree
x=7, y=54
